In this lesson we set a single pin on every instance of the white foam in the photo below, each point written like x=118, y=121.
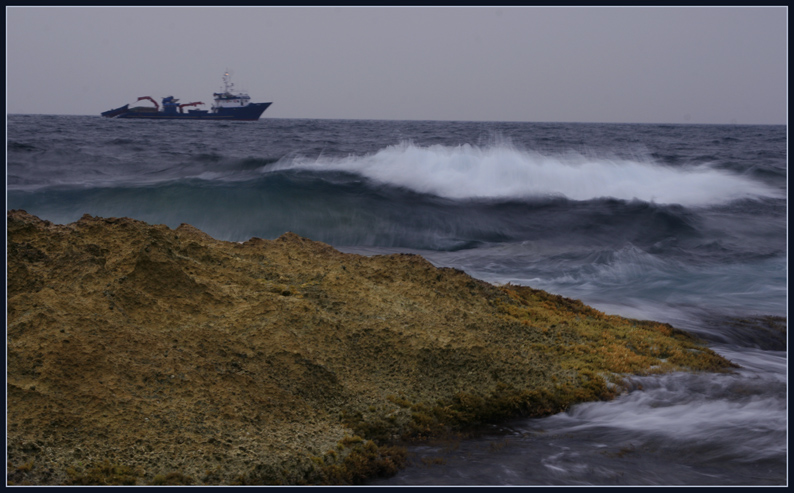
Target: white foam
x=501, y=171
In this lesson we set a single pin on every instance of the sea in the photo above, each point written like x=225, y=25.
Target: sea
x=684, y=224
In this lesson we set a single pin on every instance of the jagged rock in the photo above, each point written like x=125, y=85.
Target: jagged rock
x=140, y=354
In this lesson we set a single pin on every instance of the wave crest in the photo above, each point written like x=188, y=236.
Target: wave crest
x=502, y=171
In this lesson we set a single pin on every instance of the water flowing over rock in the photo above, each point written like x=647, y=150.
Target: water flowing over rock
x=140, y=354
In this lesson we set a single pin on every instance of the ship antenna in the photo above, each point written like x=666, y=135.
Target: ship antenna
x=227, y=84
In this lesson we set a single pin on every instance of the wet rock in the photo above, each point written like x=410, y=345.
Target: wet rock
x=201, y=361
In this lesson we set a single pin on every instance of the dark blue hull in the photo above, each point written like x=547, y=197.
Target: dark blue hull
x=116, y=112
x=250, y=112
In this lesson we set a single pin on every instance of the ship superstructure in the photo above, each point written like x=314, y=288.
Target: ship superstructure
x=228, y=106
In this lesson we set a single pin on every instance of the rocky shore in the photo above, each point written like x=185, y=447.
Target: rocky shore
x=140, y=354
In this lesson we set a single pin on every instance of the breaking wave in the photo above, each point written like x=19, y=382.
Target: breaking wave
x=502, y=171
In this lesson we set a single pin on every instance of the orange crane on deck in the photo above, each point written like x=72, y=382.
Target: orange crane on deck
x=156, y=106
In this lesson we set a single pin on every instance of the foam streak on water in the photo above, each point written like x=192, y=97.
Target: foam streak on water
x=698, y=429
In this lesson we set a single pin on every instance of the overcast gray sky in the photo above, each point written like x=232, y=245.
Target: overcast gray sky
x=566, y=64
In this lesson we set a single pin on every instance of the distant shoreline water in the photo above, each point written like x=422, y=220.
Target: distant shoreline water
x=527, y=122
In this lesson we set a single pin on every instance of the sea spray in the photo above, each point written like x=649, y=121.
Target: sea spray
x=504, y=172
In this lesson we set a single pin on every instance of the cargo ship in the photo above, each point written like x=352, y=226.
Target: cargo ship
x=228, y=106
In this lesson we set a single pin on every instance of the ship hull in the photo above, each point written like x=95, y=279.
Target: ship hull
x=251, y=112
x=116, y=112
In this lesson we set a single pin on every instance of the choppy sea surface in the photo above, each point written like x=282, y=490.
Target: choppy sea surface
x=685, y=224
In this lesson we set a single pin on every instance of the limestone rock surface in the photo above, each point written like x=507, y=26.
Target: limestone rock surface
x=140, y=354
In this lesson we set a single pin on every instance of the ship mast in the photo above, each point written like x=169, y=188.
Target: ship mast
x=227, y=83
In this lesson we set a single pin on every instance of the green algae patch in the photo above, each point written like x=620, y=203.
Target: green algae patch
x=353, y=462
x=105, y=473
x=596, y=342
x=164, y=356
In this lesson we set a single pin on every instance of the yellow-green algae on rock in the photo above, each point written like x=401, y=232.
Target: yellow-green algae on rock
x=140, y=354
